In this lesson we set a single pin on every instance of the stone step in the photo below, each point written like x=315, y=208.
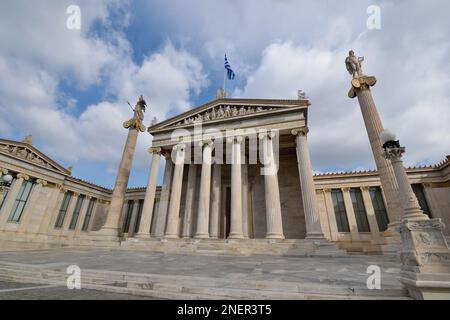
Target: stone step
x=195, y=285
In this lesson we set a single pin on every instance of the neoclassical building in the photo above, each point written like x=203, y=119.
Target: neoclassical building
x=235, y=170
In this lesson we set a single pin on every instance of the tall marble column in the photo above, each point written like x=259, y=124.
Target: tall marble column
x=189, y=201
x=133, y=219
x=173, y=216
x=161, y=215
x=236, y=189
x=215, y=201
x=361, y=89
x=149, y=200
x=272, y=191
x=245, y=191
x=312, y=217
x=112, y=227
x=205, y=188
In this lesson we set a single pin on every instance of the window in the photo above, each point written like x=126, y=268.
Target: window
x=21, y=201
x=126, y=225
x=63, y=209
x=379, y=208
x=139, y=214
x=76, y=212
x=360, y=210
x=87, y=218
x=339, y=210
x=420, y=194
x=3, y=199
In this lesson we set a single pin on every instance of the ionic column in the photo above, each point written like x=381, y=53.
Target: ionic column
x=361, y=89
x=112, y=226
x=11, y=198
x=189, y=201
x=133, y=219
x=205, y=187
x=236, y=189
x=149, y=200
x=350, y=214
x=173, y=217
x=245, y=199
x=273, y=204
x=371, y=217
x=215, y=201
x=312, y=218
x=161, y=215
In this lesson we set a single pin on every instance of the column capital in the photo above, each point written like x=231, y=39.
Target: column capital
x=155, y=150
x=393, y=154
x=207, y=142
x=179, y=147
x=234, y=139
x=365, y=188
x=76, y=194
x=266, y=134
x=302, y=131
x=41, y=182
x=3, y=171
x=345, y=189
x=23, y=176
x=326, y=190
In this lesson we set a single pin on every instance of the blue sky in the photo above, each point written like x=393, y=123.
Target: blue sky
x=69, y=87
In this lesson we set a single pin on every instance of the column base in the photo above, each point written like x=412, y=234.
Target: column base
x=274, y=236
x=201, y=236
x=235, y=236
x=142, y=236
x=171, y=236
x=315, y=236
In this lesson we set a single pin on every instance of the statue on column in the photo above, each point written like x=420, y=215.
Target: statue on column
x=137, y=121
x=354, y=64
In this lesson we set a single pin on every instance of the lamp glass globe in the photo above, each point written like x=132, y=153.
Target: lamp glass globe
x=387, y=135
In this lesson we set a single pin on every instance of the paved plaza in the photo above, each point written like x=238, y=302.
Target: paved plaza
x=346, y=272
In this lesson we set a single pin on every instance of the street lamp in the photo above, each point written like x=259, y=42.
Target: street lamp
x=393, y=151
x=5, y=182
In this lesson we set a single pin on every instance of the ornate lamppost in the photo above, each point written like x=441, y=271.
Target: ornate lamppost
x=5, y=182
x=425, y=254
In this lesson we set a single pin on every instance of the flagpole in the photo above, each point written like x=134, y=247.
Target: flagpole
x=225, y=83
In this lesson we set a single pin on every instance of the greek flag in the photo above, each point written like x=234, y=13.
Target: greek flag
x=230, y=72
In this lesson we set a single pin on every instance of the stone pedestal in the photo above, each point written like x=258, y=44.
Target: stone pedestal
x=425, y=259
x=361, y=89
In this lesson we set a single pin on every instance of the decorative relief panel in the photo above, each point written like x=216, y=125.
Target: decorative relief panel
x=223, y=112
x=25, y=153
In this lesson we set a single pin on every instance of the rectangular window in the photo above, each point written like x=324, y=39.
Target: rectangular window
x=360, y=210
x=339, y=210
x=127, y=222
x=3, y=199
x=420, y=194
x=76, y=212
x=139, y=215
x=21, y=201
x=379, y=208
x=63, y=210
x=87, y=218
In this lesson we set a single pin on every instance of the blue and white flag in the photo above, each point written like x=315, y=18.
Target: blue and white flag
x=230, y=72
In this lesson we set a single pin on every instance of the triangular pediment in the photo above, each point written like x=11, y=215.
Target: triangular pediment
x=227, y=109
x=28, y=153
